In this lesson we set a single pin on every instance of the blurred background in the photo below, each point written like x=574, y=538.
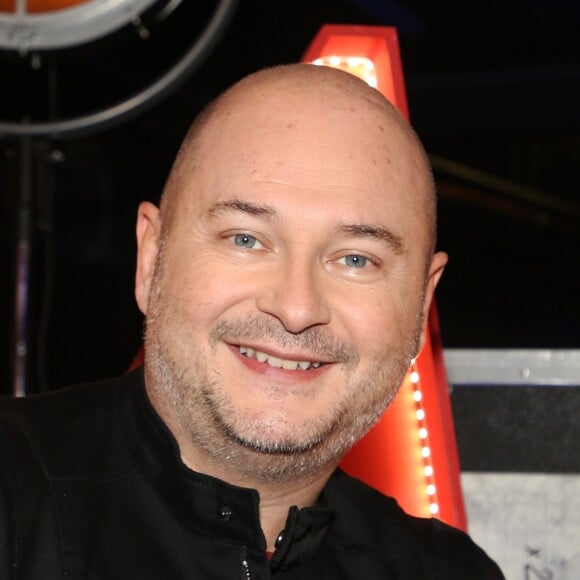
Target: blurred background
x=93, y=108
x=493, y=91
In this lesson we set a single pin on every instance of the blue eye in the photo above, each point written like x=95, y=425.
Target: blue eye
x=355, y=261
x=245, y=241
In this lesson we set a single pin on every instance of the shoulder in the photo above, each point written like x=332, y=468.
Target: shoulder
x=454, y=554
x=382, y=526
x=62, y=428
x=54, y=446
x=41, y=410
x=40, y=415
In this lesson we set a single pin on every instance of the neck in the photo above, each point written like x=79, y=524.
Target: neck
x=276, y=497
x=276, y=500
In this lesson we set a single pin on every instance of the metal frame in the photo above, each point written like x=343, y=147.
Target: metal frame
x=24, y=31
x=135, y=104
x=511, y=367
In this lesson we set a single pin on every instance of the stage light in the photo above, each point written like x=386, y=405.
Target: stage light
x=55, y=24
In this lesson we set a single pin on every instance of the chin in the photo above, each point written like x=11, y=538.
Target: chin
x=275, y=434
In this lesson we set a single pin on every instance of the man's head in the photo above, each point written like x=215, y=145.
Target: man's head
x=287, y=277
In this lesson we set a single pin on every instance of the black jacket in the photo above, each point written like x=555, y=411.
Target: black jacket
x=92, y=487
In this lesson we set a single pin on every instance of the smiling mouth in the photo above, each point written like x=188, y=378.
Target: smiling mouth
x=279, y=363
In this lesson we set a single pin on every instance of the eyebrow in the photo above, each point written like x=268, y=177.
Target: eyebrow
x=376, y=232
x=379, y=233
x=235, y=205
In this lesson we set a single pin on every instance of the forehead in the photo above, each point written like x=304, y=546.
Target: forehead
x=272, y=129
x=328, y=149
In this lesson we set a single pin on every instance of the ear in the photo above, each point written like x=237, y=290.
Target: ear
x=148, y=237
x=438, y=262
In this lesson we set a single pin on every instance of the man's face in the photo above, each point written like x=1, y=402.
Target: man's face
x=288, y=293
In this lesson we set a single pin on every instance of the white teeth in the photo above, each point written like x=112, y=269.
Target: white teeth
x=261, y=356
x=274, y=361
x=290, y=365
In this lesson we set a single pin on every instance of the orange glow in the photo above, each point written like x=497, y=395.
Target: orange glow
x=40, y=6
x=411, y=454
x=379, y=44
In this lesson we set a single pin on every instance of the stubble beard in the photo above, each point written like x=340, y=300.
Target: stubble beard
x=179, y=373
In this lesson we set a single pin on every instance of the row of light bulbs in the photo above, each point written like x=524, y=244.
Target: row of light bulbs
x=425, y=447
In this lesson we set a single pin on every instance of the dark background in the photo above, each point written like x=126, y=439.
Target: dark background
x=493, y=91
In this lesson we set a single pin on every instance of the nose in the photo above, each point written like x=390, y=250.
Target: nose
x=293, y=294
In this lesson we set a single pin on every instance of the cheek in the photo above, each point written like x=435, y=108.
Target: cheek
x=205, y=286
x=378, y=321
x=369, y=318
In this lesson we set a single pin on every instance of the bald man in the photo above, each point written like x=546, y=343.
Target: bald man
x=285, y=281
